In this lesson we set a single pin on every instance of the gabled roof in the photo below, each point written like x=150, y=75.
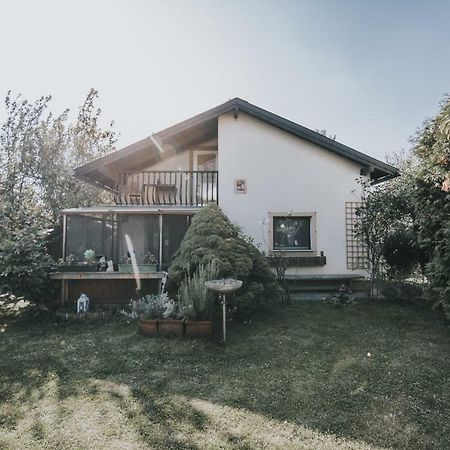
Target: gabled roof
x=105, y=171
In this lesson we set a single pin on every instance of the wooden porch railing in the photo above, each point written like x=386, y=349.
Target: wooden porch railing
x=167, y=188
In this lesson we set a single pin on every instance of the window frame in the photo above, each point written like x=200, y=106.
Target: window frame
x=312, y=232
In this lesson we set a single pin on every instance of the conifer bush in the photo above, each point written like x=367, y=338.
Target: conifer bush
x=212, y=237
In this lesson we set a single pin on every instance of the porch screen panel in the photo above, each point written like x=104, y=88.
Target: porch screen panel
x=174, y=229
x=143, y=231
x=90, y=232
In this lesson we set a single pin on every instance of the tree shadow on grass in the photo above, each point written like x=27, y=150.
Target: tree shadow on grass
x=308, y=366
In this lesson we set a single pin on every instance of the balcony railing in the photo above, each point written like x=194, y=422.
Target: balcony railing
x=167, y=188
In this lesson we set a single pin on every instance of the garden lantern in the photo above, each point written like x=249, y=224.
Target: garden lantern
x=83, y=304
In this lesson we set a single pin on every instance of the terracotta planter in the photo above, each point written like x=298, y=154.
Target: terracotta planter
x=198, y=328
x=148, y=327
x=170, y=327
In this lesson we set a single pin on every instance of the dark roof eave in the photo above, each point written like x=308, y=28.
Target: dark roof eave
x=236, y=105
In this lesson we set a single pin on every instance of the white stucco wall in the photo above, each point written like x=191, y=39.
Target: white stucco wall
x=285, y=173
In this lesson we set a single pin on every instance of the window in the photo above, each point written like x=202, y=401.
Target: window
x=293, y=232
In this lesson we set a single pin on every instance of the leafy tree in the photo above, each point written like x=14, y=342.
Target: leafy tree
x=432, y=201
x=62, y=148
x=37, y=155
x=401, y=253
x=24, y=262
x=280, y=260
x=383, y=217
x=19, y=151
x=325, y=133
x=212, y=237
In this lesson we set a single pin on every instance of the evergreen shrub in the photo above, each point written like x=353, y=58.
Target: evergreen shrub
x=212, y=237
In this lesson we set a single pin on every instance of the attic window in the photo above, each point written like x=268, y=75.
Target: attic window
x=294, y=232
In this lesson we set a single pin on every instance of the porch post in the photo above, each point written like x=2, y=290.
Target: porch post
x=64, y=237
x=160, y=241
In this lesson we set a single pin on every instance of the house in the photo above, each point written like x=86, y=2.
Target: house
x=293, y=190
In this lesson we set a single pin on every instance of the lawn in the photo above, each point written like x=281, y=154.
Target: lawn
x=311, y=376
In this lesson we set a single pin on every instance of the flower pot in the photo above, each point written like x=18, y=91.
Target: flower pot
x=144, y=268
x=198, y=328
x=148, y=327
x=170, y=327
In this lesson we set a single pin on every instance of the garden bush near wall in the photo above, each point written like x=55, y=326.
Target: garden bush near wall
x=212, y=237
x=403, y=292
x=24, y=263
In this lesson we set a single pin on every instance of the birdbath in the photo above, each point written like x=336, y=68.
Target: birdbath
x=224, y=286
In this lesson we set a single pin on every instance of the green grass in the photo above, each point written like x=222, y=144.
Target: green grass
x=301, y=379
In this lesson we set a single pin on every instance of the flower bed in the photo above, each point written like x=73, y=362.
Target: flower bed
x=94, y=315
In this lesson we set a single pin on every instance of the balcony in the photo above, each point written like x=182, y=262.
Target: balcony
x=167, y=188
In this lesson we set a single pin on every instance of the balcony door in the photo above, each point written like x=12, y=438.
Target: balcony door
x=205, y=160
x=204, y=186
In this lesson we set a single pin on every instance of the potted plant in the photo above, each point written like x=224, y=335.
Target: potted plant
x=156, y=314
x=67, y=264
x=171, y=324
x=90, y=261
x=149, y=264
x=146, y=310
x=197, y=302
x=88, y=265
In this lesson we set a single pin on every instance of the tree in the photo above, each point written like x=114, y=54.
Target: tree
x=62, y=148
x=383, y=215
x=432, y=201
x=19, y=150
x=280, y=260
x=37, y=155
x=212, y=237
x=325, y=133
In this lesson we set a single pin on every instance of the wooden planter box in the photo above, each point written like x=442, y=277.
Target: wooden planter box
x=170, y=327
x=148, y=327
x=198, y=328
x=145, y=268
x=78, y=268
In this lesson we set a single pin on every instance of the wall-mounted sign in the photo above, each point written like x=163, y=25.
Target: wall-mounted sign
x=240, y=186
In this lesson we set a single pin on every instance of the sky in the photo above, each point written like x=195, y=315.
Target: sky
x=368, y=72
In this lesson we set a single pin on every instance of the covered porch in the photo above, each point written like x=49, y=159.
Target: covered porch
x=103, y=229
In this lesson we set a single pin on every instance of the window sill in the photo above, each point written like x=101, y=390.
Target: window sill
x=299, y=261
x=293, y=253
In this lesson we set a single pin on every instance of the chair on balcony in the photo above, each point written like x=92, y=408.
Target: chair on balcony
x=129, y=193
x=134, y=192
x=160, y=194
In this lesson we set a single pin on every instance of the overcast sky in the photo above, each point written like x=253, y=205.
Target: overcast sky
x=368, y=71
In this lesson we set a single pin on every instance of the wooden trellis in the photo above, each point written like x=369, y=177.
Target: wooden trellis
x=356, y=249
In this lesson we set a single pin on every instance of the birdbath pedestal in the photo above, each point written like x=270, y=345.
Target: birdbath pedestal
x=223, y=287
